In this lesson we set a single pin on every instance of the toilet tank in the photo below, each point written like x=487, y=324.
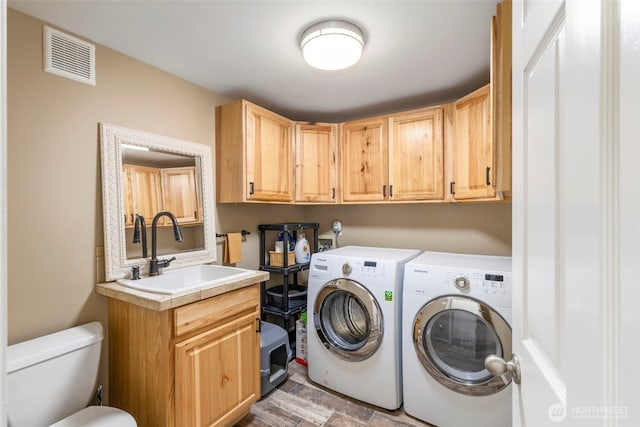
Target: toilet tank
x=53, y=376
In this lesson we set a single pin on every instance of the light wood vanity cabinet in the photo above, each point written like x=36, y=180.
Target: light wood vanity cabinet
x=316, y=150
x=195, y=365
x=364, y=152
x=254, y=154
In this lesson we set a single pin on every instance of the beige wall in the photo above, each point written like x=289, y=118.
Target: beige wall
x=54, y=183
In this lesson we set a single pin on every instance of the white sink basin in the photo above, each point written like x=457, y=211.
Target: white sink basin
x=185, y=279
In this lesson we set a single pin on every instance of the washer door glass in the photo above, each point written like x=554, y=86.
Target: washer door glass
x=348, y=320
x=453, y=335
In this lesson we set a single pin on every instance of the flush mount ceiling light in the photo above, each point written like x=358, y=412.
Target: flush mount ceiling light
x=332, y=45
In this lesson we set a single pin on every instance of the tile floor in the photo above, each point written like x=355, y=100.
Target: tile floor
x=299, y=403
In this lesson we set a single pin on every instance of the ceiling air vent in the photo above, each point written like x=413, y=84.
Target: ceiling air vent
x=69, y=57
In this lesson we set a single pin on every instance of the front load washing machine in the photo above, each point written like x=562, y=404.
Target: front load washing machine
x=354, y=300
x=457, y=311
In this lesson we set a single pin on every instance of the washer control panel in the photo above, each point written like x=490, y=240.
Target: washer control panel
x=353, y=268
x=479, y=282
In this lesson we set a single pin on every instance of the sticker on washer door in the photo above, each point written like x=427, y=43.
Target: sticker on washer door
x=388, y=295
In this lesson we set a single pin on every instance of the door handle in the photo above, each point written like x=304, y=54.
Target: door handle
x=498, y=367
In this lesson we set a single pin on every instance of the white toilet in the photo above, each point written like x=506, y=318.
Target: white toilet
x=52, y=379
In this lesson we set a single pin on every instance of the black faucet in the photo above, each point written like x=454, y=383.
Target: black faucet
x=155, y=264
x=140, y=225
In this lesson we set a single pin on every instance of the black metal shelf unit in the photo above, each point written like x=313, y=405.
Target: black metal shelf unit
x=287, y=309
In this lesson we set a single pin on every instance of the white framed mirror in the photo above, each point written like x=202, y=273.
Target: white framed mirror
x=143, y=174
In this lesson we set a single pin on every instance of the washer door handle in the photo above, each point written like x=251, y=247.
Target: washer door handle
x=498, y=367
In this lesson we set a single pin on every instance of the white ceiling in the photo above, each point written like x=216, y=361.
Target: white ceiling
x=417, y=52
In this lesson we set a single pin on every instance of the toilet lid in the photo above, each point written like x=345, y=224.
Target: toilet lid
x=98, y=416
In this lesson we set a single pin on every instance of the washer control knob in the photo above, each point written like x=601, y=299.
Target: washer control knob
x=461, y=283
x=346, y=269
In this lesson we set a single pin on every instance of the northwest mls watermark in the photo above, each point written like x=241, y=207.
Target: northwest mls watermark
x=559, y=412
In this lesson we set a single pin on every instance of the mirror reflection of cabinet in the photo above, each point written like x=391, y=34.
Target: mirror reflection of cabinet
x=149, y=190
x=180, y=194
x=142, y=192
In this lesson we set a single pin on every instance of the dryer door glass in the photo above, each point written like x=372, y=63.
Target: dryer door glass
x=457, y=342
x=452, y=336
x=348, y=320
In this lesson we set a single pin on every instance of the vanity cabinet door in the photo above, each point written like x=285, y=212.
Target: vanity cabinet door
x=180, y=194
x=218, y=373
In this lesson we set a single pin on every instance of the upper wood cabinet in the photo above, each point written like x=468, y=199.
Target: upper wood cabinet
x=394, y=158
x=472, y=154
x=316, y=150
x=481, y=153
x=364, y=153
x=416, y=155
x=501, y=95
x=254, y=154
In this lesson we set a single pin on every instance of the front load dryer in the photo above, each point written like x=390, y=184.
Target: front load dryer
x=354, y=304
x=457, y=311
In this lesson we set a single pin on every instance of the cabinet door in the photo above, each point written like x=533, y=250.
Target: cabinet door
x=364, y=160
x=146, y=191
x=316, y=170
x=180, y=194
x=269, y=145
x=416, y=165
x=218, y=373
x=501, y=93
x=473, y=146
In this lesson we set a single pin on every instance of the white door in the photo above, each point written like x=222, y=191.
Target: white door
x=575, y=212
